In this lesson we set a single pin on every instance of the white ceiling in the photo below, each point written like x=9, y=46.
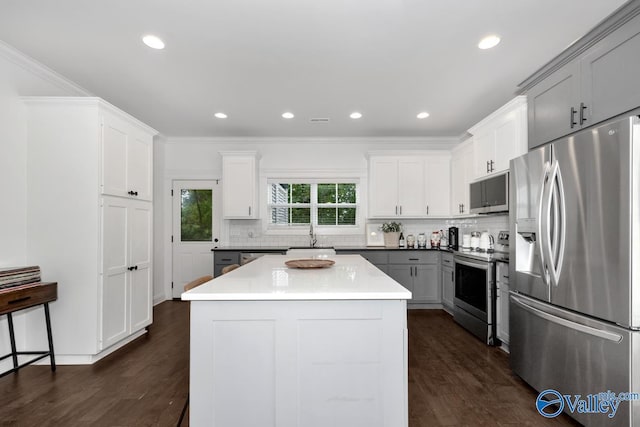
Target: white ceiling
x=255, y=59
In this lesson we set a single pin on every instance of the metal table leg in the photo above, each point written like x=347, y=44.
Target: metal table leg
x=48, y=320
x=12, y=338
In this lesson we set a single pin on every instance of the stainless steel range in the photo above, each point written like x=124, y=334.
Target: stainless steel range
x=475, y=289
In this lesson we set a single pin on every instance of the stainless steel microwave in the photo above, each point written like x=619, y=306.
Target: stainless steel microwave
x=490, y=195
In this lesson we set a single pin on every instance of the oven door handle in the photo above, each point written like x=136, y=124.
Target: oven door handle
x=480, y=265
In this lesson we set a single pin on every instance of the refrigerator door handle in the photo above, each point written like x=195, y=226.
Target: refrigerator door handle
x=610, y=336
x=542, y=223
x=559, y=232
x=553, y=225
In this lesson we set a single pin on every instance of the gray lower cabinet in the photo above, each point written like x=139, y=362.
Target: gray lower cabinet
x=447, y=279
x=379, y=258
x=222, y=259
x=418, y=271
x=502, y=302
x=595, y=86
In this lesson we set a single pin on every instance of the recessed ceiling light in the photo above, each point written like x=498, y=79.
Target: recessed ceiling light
x=153, y=42
x=355, y=115
x=489, y=42
x=423, y=115
x=288, y=115
x=220, y=115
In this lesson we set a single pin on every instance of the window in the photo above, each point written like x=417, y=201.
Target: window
x=318, y=203
x=196, y=215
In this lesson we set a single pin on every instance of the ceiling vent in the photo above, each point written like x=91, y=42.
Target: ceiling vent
x=319, y=120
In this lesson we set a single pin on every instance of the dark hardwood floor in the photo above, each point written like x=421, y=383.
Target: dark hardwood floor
x=454, y=379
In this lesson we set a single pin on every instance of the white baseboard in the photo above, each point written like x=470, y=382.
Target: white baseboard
x=89, y=359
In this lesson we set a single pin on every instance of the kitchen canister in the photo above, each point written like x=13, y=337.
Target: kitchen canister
x=466, y=240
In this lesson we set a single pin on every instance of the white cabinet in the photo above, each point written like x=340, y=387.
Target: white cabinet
x=408, y=186
x=461, y=175
x=500, y=137
x=438, y=192
x=397, y=186
x=239, y=185
x=502, y=302
x=83, y=229
x=127, y=161
x=126, y=292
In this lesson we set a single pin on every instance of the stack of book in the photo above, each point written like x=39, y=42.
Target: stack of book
x=16, y=276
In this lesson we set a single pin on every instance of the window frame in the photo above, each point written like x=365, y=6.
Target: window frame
x=322, y=229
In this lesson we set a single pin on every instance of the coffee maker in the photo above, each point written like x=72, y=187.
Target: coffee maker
x=453, y=238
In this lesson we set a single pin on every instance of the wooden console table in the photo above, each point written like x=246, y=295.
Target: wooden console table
x=20, y=298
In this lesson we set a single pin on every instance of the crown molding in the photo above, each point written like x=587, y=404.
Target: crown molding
x=89, y=100
x=514, y=104
x=617, y=19
x=429, y=143
x=40, y=70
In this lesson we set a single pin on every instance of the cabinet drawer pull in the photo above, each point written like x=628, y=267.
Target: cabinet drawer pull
x=506, y=277
x=572, y=117
x=19, y=300
x=400, y=209
x=414, y=259
x=249, y=210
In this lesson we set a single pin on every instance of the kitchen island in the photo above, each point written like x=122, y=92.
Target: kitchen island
x=275, y=346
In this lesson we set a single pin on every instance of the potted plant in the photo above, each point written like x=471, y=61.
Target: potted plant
x=391, y=232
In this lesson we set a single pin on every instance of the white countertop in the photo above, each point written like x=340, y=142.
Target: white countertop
x=268, y=278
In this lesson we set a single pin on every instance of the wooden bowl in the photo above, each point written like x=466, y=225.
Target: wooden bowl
x=309, y=263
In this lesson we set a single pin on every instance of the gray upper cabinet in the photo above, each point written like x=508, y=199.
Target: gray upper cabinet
x=594, y=80
x=550, y=105
x=610, y=72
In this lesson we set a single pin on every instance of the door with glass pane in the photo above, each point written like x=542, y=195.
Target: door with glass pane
x=196, y=213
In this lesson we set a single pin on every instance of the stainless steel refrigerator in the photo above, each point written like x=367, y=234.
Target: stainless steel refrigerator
x=575, y=268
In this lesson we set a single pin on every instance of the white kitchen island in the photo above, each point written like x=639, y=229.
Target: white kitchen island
x=274, y=346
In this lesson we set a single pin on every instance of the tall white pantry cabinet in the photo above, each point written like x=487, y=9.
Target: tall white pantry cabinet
x=89, y=222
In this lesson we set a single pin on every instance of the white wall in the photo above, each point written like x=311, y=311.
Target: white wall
x=190, y=158
x=19, y=76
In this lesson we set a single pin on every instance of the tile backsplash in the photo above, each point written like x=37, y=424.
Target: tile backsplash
x=250, y=234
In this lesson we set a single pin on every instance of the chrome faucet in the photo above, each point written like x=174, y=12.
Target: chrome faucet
x=312, y=237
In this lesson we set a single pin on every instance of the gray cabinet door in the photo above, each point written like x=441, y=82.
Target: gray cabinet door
x=610, y=71
x=550, y=104
x=447, y=286
x=402, y=274
x=223, y=258
x=426, y=284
